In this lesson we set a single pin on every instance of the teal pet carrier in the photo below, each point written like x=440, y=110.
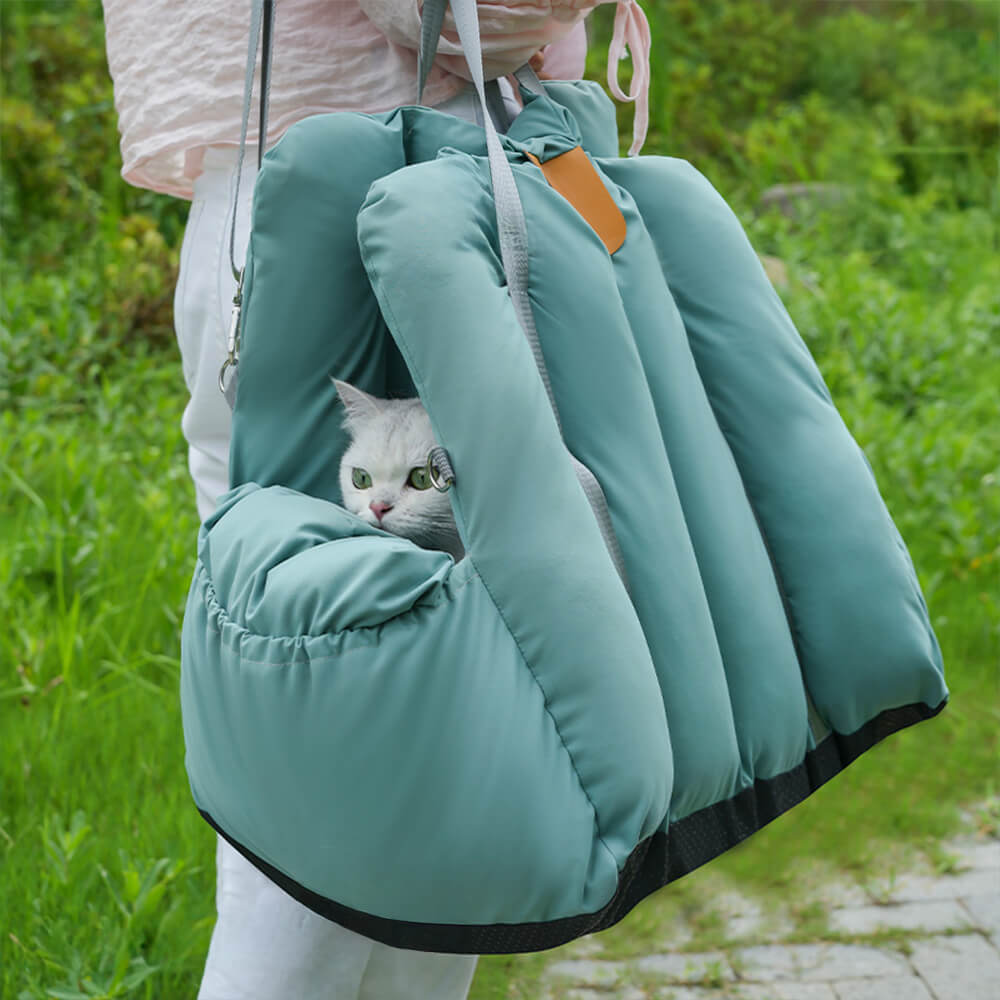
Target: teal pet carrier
x=683, y=607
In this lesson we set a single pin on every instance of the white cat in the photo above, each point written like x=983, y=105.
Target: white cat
x=384, y=476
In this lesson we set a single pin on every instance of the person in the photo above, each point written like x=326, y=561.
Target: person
x=178, y=76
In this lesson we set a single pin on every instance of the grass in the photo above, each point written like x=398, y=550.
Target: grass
x=108, y=872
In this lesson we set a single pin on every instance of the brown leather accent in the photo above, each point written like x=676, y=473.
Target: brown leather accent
x=574, y=177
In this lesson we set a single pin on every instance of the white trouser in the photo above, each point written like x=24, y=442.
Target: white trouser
x=267, y=946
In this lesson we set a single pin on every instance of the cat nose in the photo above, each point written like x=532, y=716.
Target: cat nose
x=378, y=508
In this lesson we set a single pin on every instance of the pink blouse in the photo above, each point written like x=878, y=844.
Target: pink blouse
x=178, y=68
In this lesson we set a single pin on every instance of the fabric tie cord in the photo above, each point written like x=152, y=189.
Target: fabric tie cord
x=632, y=30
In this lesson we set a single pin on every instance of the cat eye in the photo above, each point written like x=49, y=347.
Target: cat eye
x=361, y=479
x=419, y=478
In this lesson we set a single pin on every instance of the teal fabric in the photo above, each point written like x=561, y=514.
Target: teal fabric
x=509, y=740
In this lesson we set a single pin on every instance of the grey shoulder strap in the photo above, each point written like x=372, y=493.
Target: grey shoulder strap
x=431, y=20
x=261, y=20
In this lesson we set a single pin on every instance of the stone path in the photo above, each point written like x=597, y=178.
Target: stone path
x=915, y=937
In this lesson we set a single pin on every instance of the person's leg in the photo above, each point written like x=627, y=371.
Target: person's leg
x=202, y=309
x=393, y=974
x=266, y=945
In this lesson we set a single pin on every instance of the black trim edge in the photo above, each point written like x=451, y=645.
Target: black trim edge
x=657, y=861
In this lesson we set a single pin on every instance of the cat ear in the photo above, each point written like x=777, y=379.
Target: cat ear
x=357, y=404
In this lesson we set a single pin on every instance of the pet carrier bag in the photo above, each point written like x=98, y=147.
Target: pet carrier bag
x=683, y=608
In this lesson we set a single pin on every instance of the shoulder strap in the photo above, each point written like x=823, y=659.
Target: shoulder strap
x=261, y=16
x=431, y=20
x=514, y=250
x=261, y=20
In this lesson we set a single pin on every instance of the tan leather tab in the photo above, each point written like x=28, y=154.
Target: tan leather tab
x=574, y=177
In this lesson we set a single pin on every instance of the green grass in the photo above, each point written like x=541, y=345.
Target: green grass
x=107, y=870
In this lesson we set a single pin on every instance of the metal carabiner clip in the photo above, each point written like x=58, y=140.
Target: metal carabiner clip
x=233, y=339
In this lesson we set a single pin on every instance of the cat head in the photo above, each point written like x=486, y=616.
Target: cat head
x=383, y=474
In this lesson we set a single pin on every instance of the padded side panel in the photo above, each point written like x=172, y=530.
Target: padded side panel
x=610, y=424
x=860, y=621
x=763, y=675
x=308, y=311
x=528, y=529
x=409, y=770
x=635, y=411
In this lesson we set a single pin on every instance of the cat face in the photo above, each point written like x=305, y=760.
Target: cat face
x=383, y=475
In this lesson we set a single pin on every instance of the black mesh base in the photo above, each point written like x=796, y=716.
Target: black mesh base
x=661, y=859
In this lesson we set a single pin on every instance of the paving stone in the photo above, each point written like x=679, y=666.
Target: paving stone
x=731, y=991
x=985, y=911
x=885, y=988
x=962, y=967
x=629, y=993
x=933, y=915
x=585, y=947
x=812, y=962
x=842, y=894
x=744, y=917
x=745, y=925
x=778, y=927
x=688, y=993
x=975, y=852
x=680, y=935
x=735, y=904
x=586, y=972
x=780, y=990
x=915, y=888
x=681, y=968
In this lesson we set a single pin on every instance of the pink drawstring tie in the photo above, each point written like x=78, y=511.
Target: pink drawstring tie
x=632, y=29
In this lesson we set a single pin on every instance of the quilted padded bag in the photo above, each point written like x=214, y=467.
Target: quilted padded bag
x=502, y=754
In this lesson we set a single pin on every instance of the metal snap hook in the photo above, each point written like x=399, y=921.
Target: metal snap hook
x=233, y=338
x=226, y=365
